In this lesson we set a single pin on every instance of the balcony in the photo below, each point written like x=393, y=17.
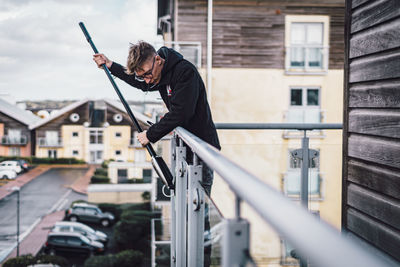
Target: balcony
x=303, y=115
x=46, y=142
x=199, y=232
x=14, y=141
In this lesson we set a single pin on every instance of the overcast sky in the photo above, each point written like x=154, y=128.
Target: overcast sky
x=44, y=55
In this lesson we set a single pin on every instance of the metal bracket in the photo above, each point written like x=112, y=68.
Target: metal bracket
x=298, y=153
x=197, y=201
x=182, y=169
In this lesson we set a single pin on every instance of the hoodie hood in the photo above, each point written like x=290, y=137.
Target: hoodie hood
x=171, y=59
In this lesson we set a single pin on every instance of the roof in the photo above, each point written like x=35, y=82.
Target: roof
x=116, y=104
x=23, y=116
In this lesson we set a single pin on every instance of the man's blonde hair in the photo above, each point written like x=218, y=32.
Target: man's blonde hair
x=138, y=54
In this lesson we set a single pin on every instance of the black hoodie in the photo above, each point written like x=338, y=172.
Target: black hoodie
x=186, y=102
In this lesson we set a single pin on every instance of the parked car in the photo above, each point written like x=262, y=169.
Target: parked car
x=8, y=174
x=24, y=164
x=89, y=213
x=72, y=242
x=11, y=165
x=82, y=229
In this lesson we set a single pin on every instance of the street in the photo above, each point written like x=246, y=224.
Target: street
x=47, y=193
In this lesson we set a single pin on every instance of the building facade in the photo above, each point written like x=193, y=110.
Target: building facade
x=272, y=62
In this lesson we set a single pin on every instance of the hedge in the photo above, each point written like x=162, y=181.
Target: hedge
x=101, y=172
x=36, y=160
x=126, y=258
x=25, y=260
x=98, y=179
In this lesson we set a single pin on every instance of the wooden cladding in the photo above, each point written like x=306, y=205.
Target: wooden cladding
x=251, y=34
x=371, y=185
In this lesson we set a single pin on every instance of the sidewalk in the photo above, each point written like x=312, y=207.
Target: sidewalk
x=35, y=240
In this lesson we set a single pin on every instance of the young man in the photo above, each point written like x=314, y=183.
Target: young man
x=180, y=87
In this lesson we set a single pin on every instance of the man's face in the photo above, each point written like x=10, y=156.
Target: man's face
x=150, y=72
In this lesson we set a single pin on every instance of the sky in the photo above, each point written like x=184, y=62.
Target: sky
x=44, y=54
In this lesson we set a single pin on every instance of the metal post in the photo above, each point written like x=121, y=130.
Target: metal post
x=235, y=242
x=180, y=205
x=173, y=213
x=304, y=171
x=304, y=181
x=18, y=221
x=195, y=215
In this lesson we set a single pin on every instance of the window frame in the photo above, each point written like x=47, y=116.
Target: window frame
x=289, y=20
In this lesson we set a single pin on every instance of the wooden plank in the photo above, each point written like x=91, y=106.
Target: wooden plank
x=357, y=3
x=374, y=149
x=379, y=206
x=373, y=13
x=372, y=176
x=376, y=67
x=383, y=37
x=375, y=122
x=382, y=94
x=380, y=235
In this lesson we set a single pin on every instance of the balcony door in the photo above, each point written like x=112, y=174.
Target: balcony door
x=52, y=138
x=14, y=136
x=96, y=146
x=304, y=105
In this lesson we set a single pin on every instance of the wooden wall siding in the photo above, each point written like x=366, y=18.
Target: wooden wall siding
x=55, y=125
x=371, y=200
x=384, y=151
x=251, y=34
x=377, y=94
x=378, y=178
x=381, y=207
x=384, y=65
x=375, y=122
x=11, y=123
x=383, y=236
x=373, y=13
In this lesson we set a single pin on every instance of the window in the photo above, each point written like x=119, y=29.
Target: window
x=14, y=136
x=52, y=138
x=74, y=241
x=292, y=180
x=75, y=153
x=96, y=137
x=307, y=43
x=287, y=254
x=52, y=153
x=304, y=105
x=118, y=134
x=14, y=151
x=147, y=173
x=117, y=152
x=75, y=134
x=140, y=155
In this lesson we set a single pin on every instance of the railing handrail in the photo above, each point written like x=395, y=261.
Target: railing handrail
x=319, y=242
x=279, y=126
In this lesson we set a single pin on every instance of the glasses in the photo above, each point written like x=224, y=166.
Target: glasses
x=147, y=74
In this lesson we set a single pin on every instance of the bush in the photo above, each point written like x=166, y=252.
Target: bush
x=101, y=172
x=60, y=261
x=97, y=179
x=104, y=165
x=146, y=196
x=128, y=258
x=26, y=260
x=21, y=261
x=103, y=261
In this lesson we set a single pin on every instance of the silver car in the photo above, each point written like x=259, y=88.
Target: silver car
x=82, y=229
x=89, y=213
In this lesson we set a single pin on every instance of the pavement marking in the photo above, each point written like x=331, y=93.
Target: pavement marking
x=60, y=202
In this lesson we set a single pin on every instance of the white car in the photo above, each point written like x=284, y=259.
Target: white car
x=82, y=229
x=12, y=165
x=7, y=174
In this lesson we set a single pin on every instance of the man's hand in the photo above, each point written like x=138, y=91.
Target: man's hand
x=142, y=137
x=101, y=59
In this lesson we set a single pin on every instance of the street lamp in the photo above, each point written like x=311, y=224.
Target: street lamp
x=17, y=189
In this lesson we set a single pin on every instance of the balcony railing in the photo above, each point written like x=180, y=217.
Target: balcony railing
x=315, y=241
x=10, y=140
x=46, y=142
x=307, y=59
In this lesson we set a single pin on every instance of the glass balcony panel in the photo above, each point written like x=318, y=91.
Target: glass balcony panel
x=297, y=57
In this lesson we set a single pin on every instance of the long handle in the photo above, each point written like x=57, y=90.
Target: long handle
x=159, y=164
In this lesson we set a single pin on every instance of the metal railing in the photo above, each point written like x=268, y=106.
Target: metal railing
x=10, y=140
x=316, y=241
x=46, y=142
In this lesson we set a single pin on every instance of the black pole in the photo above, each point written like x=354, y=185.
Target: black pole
x=158, y=163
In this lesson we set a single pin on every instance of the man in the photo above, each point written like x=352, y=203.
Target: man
x=180, y=87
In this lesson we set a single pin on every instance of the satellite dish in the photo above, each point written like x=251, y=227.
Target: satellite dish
x=74, y=117
x=117, y=117
x=44, y=114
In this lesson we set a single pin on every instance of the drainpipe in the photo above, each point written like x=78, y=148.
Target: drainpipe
x=209, y=50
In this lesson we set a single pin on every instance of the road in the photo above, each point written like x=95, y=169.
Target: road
x=46, y=193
